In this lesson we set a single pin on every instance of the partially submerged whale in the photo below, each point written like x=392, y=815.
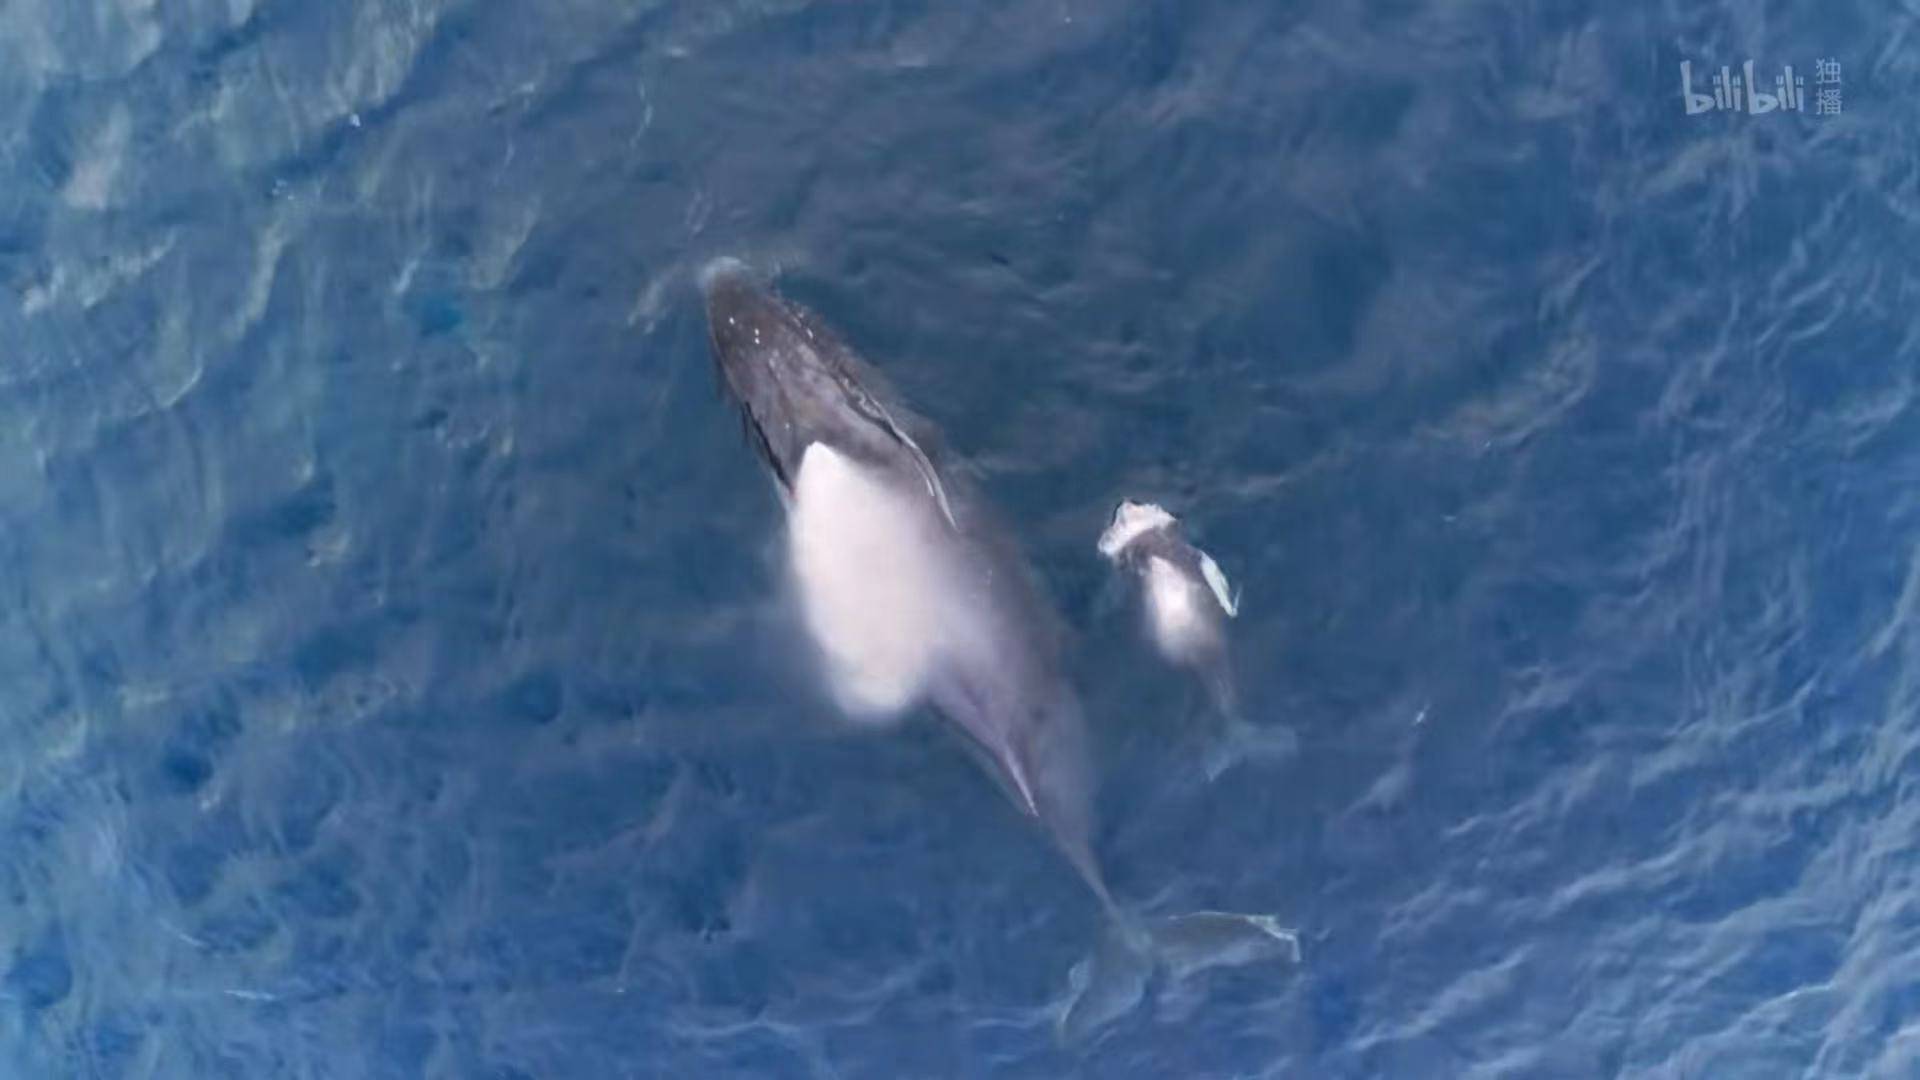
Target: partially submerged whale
x=912, y=592
x=1186, y=603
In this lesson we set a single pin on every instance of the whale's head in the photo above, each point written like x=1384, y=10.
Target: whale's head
x=793, y=381
x=1131, y=521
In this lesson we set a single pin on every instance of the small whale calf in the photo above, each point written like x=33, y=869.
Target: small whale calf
x=912, y=592
x=1187, y=602
x=1185, y=592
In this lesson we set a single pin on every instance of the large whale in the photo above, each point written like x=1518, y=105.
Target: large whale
x=913, y=592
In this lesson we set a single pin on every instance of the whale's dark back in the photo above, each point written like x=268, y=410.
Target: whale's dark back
x=1001, y=683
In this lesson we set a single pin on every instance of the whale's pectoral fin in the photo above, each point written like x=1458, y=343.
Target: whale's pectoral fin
x=1111, y=983
x=921, y=463
x=1105, y=986
x=1228, y=597
x=927, y=472
x=1017, y=772
x=756, y=437
x=973, y=717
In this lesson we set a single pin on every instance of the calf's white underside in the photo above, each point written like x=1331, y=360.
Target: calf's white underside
x=1178, y=623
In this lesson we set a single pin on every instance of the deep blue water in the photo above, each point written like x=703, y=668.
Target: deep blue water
x=393, y=675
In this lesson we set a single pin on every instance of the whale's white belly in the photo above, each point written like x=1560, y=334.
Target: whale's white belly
x=870, y=582
x=1179, y=625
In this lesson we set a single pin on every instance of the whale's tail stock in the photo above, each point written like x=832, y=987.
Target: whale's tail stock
x=1237, y=739
x=1112, y=981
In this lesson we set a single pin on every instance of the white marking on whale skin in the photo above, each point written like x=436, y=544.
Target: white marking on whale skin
x=1130, y=521
x=870, y=583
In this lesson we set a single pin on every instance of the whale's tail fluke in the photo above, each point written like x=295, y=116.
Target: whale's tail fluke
x=1240, y=740
x=1194, y=942
x=1112, y=981
x=1108, y=984
x=1237, y=738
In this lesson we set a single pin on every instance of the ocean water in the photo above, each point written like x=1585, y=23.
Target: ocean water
x=394, y=673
